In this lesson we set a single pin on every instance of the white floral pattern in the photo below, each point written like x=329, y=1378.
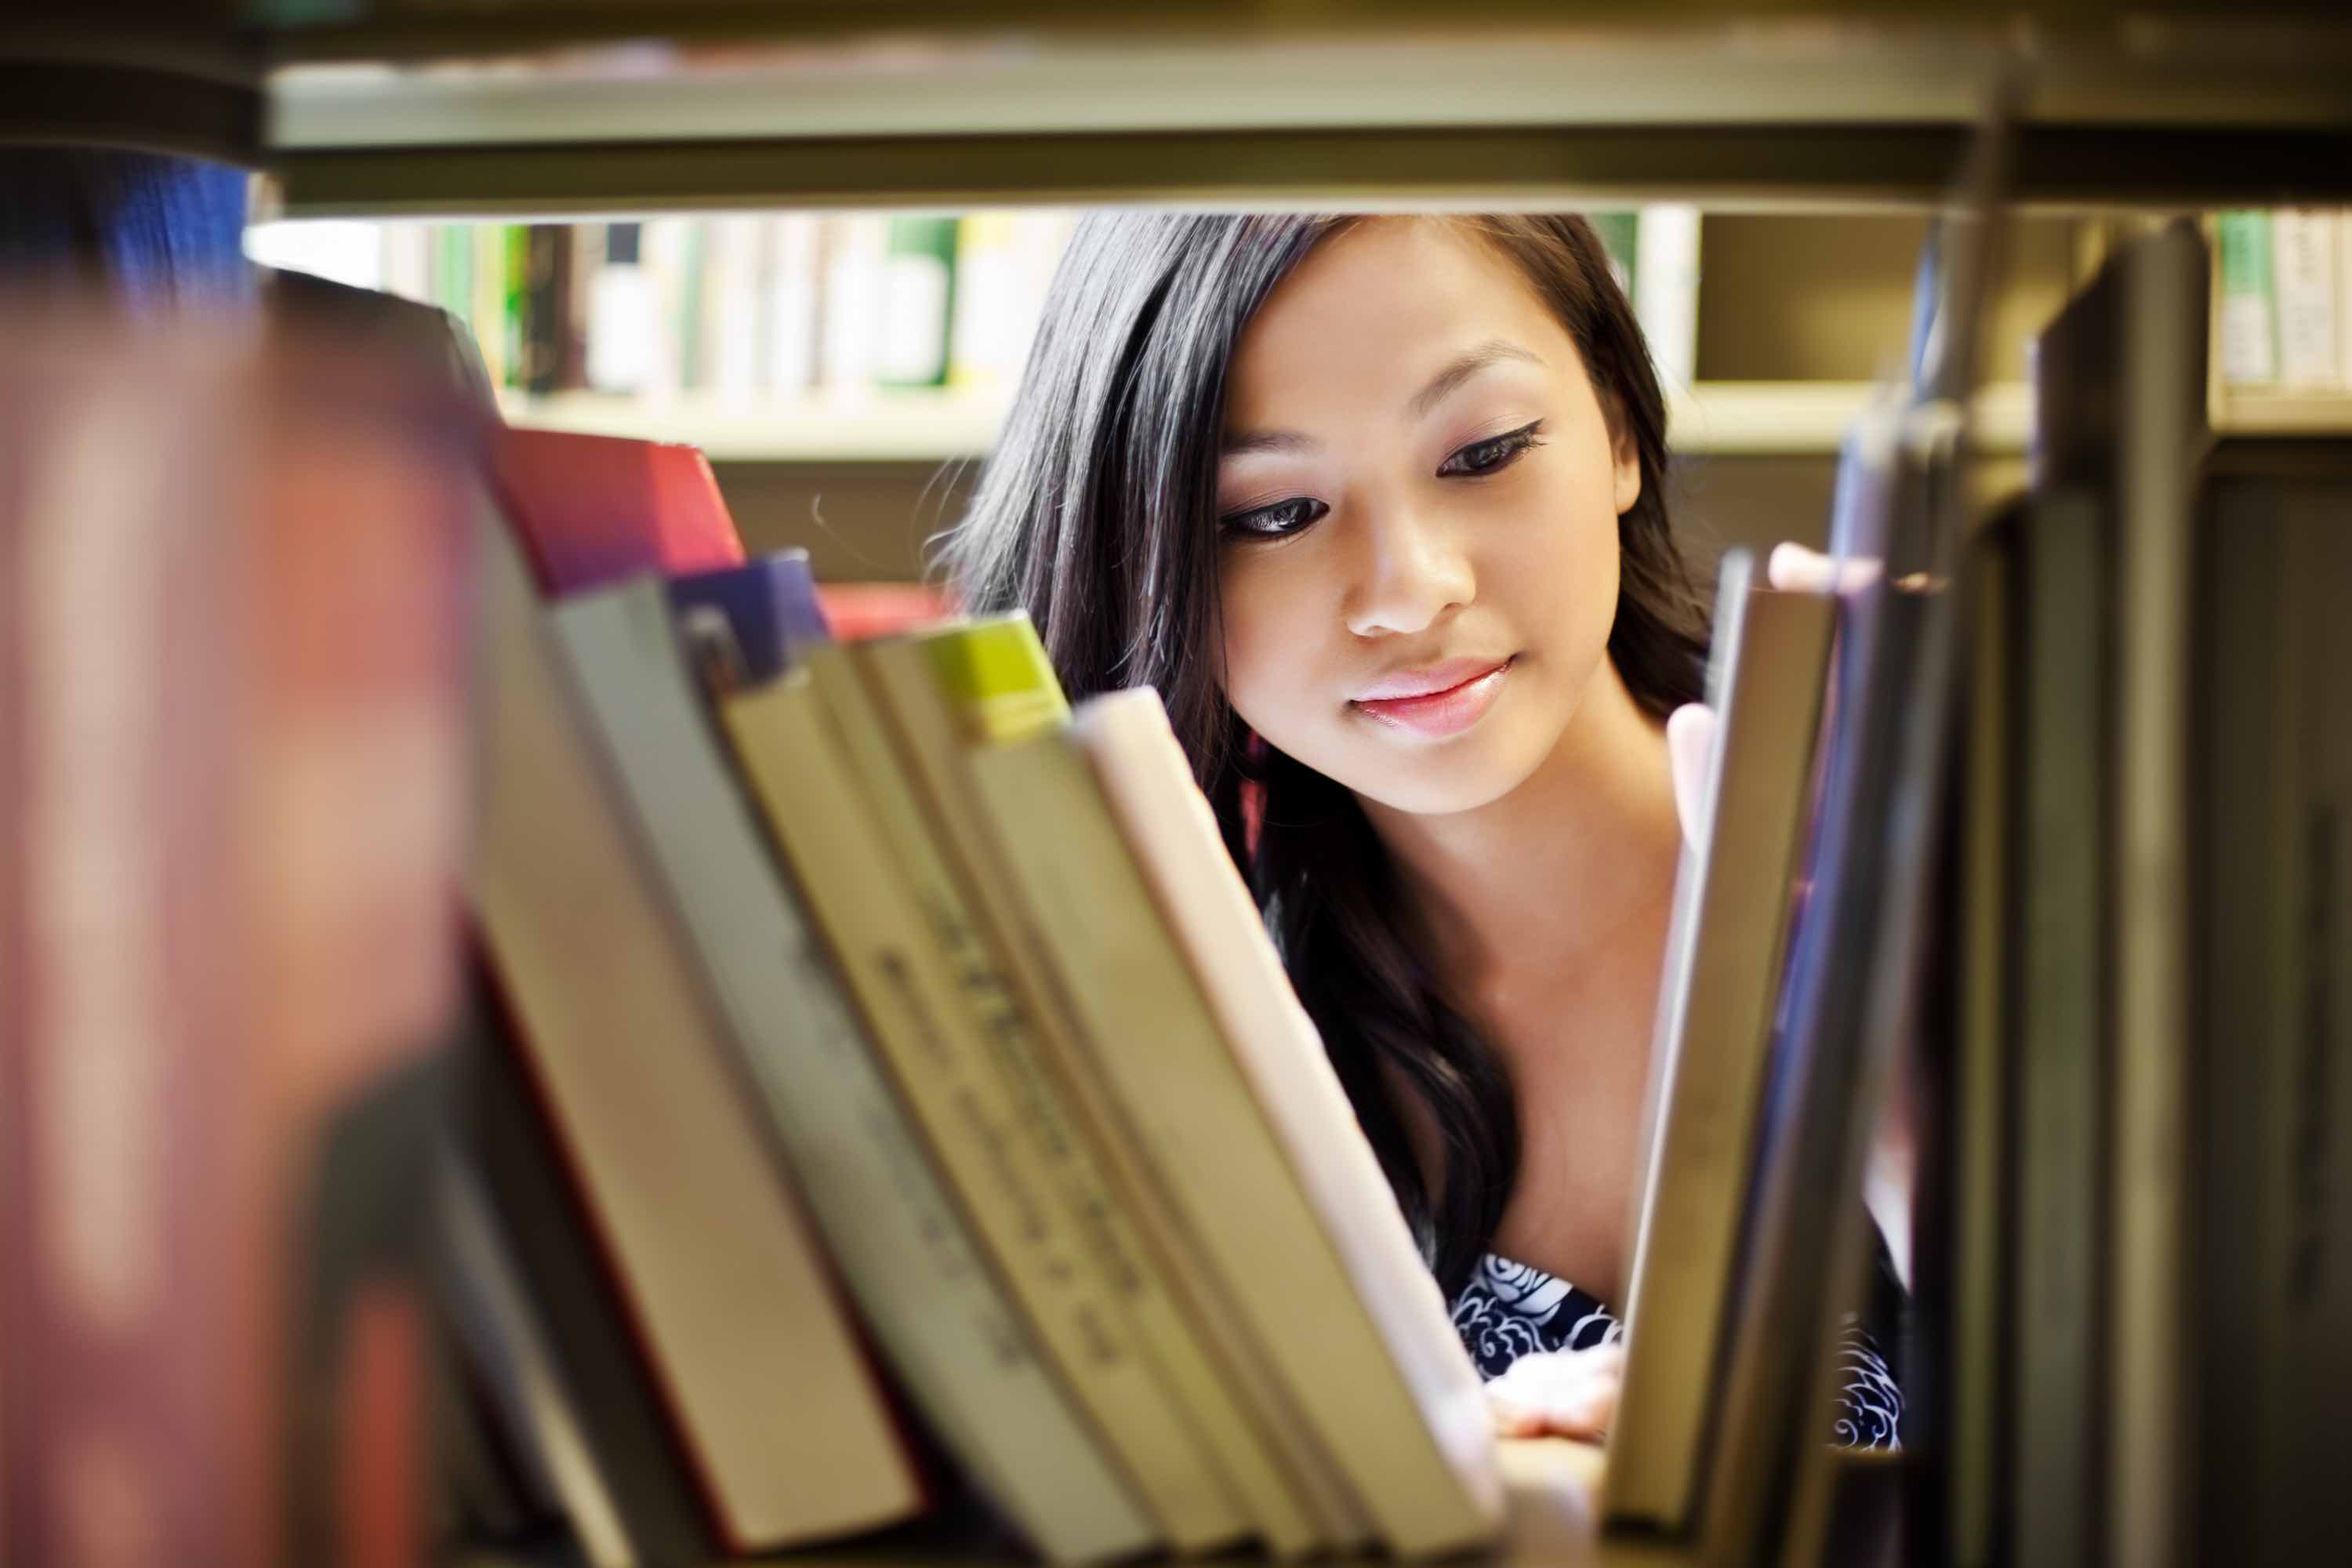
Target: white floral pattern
x=1510, y=1310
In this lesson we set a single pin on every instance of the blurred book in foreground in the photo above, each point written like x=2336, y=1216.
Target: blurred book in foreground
x=234, y=642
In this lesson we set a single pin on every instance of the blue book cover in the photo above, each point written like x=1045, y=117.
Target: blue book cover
x=744, y=622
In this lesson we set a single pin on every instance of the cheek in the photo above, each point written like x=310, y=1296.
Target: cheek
x=1268, y=643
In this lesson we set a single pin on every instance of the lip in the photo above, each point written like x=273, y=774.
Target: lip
x=1437, y=702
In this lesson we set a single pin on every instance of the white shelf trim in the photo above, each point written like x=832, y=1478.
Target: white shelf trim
x=1743, y=418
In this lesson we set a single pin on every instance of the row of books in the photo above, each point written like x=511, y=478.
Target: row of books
x=2136, y=1302
x=741, y=309
x=894, y=1032
x=753, y=308
x=2285, y=305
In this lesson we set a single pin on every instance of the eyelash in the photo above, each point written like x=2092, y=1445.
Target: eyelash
x=1500, y=452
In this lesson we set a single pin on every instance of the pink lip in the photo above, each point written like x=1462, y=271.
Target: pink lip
x=1437, y=702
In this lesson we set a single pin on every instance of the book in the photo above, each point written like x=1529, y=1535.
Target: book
x=2246, y=337
x=1419, y=1450
x=1182, y=1330
x=906, y=1254
x=500, y=1353
x=1981, y=1140
x=539, y=1312
x=1725, y=951
x=918, y=289
x=789, y=367
x=1665, y=267
x=2272, y=1096
x=2064, y=595
x=2305, y=259
x=232, y=775
x=2119, y=381
x=591, y=509
x=786, y=1424
x=750, y=619
x=970, y=1115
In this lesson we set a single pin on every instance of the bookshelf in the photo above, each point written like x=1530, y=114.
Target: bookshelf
x=522, y=109
x=1731, y=418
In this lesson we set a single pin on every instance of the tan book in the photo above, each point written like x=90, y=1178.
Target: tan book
x=821, y=815
x=772, y=1393
x=1724, y=950
x=1177, y=1330
x=1405, y=1409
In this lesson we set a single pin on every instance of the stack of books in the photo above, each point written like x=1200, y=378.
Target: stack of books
x=2283, y=306
x=872, y=1052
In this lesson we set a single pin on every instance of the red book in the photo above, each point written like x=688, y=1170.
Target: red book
x=232, y=797
x=592, y=510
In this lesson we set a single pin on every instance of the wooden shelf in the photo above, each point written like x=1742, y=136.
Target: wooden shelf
x=2281, y=411
x=911, y=426
x=1746, y=419
x=1507, y=105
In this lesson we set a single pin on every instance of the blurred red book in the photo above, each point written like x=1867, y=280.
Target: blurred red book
x=593, y=510
x=233, y=792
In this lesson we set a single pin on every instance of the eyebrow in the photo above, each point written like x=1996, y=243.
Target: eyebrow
x=1469, y=363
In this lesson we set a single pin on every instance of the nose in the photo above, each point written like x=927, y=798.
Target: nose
x=1412, y=573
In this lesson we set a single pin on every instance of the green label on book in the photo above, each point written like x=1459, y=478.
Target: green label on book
x=996, y=674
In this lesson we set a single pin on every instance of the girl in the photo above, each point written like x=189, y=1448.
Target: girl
x=1379, y=506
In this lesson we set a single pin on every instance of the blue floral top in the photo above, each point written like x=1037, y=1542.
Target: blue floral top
x=1509, y=1309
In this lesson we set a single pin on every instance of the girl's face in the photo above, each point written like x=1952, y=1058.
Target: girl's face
x=1417, y=509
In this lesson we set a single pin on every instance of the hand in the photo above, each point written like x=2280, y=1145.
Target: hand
x=1690, y=729
x=1559, y=1393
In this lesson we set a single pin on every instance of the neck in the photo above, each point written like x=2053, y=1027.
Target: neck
x=1554, y=875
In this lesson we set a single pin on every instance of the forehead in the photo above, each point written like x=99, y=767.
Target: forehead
x=1374, y=310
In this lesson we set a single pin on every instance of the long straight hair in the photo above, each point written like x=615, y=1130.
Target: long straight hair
x=1097, y=514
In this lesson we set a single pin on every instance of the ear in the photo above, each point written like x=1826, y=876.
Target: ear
x=1627, y=486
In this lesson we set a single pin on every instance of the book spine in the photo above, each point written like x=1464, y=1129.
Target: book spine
x=2303, y=253
x=791, y=307
x=818, y=813
x=2249, y=326
x=1665, y=289
x=1106, y=1219
x=2061, y=1028
x=850, y=348
x=2343, y=301
x=2160, y=420
x=119, y=1102
x=918, y=276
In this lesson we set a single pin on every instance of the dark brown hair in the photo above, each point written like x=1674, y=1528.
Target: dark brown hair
x=1097, y=514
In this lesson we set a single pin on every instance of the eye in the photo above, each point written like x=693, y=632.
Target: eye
x=1493, y=453
x=1278, y=520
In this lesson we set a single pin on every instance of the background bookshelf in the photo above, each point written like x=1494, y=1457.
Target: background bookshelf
x=1768, y=335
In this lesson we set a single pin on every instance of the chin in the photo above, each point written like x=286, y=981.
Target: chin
x=1472, y=772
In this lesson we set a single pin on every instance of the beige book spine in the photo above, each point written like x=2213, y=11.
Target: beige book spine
x=826, y=823
x=1152, y=1283
x=1206, y=1134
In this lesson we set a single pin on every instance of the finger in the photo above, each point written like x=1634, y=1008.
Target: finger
x=1794, y=569
x=1690, y=757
